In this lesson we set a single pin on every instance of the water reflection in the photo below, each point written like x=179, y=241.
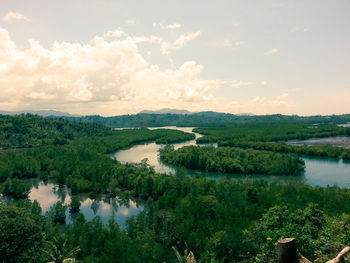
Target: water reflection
x=149, y=151
x=340, y=141
x=318, y=171
x=48, y=194
x=344, y=124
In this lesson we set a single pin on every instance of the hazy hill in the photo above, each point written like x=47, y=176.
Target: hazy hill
x=200, y=119
x=44, y=113
x=165, y=111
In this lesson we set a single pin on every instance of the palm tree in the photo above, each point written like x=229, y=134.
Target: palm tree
x=186, y=258
x=58, y=251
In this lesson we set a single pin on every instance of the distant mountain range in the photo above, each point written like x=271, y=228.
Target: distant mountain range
x=200, y=119
x=165, y=111
x=44, y=113
x=175, y=117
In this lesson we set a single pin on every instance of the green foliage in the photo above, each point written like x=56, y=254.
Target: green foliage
x=20, y=236
x=84, y=164
x=26, y=131
x=219, y=221
x=267, y=132
x=280, y=222
x=74, y=205
x=57, y=213
x=173, y=136
x=205, y=119
x=15, y=188
x=232, y=160
x=58, y=251
x=322, y=151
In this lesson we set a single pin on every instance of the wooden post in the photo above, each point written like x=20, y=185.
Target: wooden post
x=288, y=253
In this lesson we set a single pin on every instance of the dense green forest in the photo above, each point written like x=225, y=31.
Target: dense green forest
x=26, y=130
x=219, y=221
x=203, y=119
x=272, y=137
x=321, y=150
x=267, y=132
x=224, y=221
x=232, y=160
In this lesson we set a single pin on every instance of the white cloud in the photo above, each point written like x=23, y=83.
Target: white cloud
x=237, y=84
x=278, y=101
x=168, y=47
x=272, y=51
x=148, y=39
x=15, y=16
x=264, y=83
x=168, y=27
x=114, y=34
x=130, y=22
x=227, y=43
x=174, y=26
x=107, y=76
x=296, y=29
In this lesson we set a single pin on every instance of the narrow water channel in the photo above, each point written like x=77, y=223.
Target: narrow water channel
x=318, y=171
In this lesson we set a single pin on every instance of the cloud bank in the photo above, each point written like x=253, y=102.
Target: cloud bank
x=108, y=76
x=15, y=16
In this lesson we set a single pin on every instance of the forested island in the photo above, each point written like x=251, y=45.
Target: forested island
x=217, y=220
x=232, y=160
x=273, y=137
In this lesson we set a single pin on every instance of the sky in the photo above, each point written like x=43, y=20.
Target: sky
x=113, y=57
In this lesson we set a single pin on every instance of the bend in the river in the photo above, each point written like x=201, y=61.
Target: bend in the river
x=318, y=171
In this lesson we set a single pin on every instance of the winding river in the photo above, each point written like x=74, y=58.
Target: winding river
x=318, y=171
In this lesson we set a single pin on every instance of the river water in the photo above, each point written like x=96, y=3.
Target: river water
x=47, y=194
x=318, y=171
x=340, y=141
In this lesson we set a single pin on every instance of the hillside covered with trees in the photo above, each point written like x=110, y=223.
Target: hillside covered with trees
x=217, y=220
x=203, y=119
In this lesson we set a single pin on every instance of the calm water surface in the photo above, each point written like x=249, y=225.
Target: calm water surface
x=340, y=141
x=318, y=171
x=48, y=194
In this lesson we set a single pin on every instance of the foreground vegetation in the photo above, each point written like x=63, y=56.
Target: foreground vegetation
x=232, y=160
x=219, y=221
x=224, y=221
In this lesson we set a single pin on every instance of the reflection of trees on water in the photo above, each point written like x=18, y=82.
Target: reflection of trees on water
x=124, y=201
x=115, y=205
x=62, y=193
x=101, y=205
x=95, y=206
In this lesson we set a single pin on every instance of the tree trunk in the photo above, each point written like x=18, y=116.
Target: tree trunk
x=288, y=252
